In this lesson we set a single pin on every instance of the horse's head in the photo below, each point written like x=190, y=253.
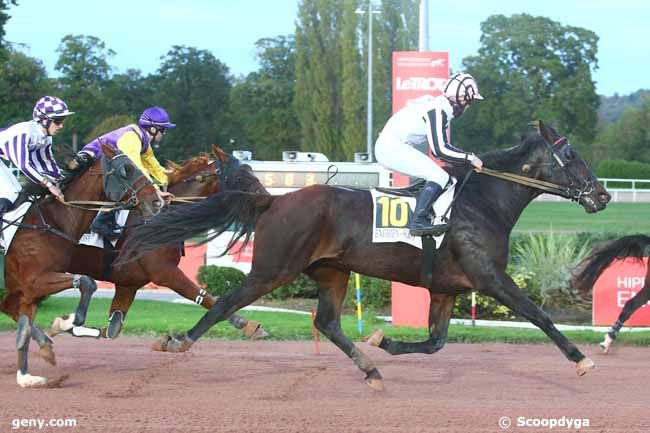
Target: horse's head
x=554, y=160
x=125, y=184
x=235, y=176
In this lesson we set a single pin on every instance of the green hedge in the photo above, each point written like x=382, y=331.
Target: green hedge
x=220, y=280
x=618, y=168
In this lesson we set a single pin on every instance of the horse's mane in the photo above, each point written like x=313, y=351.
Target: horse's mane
x=181, y=172
x=69, y=175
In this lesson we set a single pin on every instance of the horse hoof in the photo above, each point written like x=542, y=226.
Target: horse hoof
x=47, y=353
x=160, y=345
x=29, y=381
x=584, y=366
x=376, y=384
x=374, y=338
x=254, y=331
x=179, y=344
x=606, y=344
x=61, y=324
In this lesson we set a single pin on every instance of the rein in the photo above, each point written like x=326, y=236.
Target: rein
x=529, y=181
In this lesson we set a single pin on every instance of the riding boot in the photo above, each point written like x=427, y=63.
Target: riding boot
x=105, y=224
x=421, y=224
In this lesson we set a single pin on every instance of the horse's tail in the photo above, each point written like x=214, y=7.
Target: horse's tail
x=234, y=211
x=633, y=246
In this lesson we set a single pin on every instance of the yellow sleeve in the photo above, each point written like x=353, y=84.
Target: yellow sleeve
x=131, y=145
x=153, y=166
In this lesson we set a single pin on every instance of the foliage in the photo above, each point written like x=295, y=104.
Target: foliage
x=83, y=64
x=629, y=137
x=219, y=280
x=546, y=261
x=531, y=68
x=375, y=293
x=4, y=17
x=22, y=82
x=262, y=103
x=612, y=107
x=107, y=125
x=194, y=87
x=621, y=169
x=330, y=70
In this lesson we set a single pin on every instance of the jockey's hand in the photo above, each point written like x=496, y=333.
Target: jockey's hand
x=56, y=192
x=167, y=196
x=476, y=162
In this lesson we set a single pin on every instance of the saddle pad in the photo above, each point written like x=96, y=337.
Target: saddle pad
x=13, y=219
x=392, y=216
x=93, y=239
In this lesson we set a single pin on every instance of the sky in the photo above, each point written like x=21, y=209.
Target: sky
x=140, y=32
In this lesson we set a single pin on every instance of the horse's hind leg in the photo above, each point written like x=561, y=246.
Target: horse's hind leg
x=72, y=322
x=45, y=345
x=332, y=286
x=172, y=277
x=440, y=311
x=633, y=304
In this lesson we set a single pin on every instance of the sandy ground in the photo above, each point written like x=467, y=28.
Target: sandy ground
x=223, y=386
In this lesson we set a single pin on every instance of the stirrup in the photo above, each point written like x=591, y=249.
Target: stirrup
x=431, y=230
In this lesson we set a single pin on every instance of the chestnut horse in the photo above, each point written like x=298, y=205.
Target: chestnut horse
x=326, y=232
x=42, y=249
x=199, y=177
x=633, y=246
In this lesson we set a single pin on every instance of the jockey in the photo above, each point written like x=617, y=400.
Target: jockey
x=28, y=146
x=136, y=142
x=427, y=119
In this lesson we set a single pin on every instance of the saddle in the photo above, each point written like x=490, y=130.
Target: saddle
x=412, y=190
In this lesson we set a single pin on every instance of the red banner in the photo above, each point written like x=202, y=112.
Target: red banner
x=616, y=285
x=415, y=74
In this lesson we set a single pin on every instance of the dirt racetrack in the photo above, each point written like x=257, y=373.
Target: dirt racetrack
x=223, y=386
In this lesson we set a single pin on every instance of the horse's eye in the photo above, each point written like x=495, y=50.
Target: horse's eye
x=569, y=154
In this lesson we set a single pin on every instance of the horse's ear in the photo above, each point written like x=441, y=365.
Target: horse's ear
x=543, y=131
x=173, y=166
x=220, y=154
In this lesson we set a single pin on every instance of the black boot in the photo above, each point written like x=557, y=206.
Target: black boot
x=105, y=224
x=421, y=224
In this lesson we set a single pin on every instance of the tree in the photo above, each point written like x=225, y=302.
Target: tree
x=628, y=138
x=4, y=17
x=22, y=82
x=528, y=68
x=194, y=87
x=83, y=63
x=331, y=59
x=262, y=104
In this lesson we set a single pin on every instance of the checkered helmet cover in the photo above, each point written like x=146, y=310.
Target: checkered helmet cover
x=461, y=89
x=50, y=107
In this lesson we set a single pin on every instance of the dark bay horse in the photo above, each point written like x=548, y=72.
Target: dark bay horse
x=39, y=256
x=198, y=177
x=633, y=246
x=326, y=232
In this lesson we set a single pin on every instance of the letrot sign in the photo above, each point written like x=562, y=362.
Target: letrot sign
x=615, y=286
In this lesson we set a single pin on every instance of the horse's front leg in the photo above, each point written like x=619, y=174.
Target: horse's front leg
x=501, y=287
x=73, y=322
x=633, y=304
x=441, y=308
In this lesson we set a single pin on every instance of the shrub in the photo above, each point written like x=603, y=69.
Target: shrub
x=301, y=287
x=621, y=169
x=375, y=292
x=219, y=280
x=546, y=261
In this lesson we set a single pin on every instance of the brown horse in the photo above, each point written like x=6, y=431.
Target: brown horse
x=41, y=251
x=199, y=177
x=633, y=246
x=326, y=232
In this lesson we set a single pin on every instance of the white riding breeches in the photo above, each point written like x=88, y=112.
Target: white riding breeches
x=397, y=155
x=9, y=185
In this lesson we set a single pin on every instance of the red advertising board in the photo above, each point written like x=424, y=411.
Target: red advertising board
x=415, y=73
x=616, y=285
